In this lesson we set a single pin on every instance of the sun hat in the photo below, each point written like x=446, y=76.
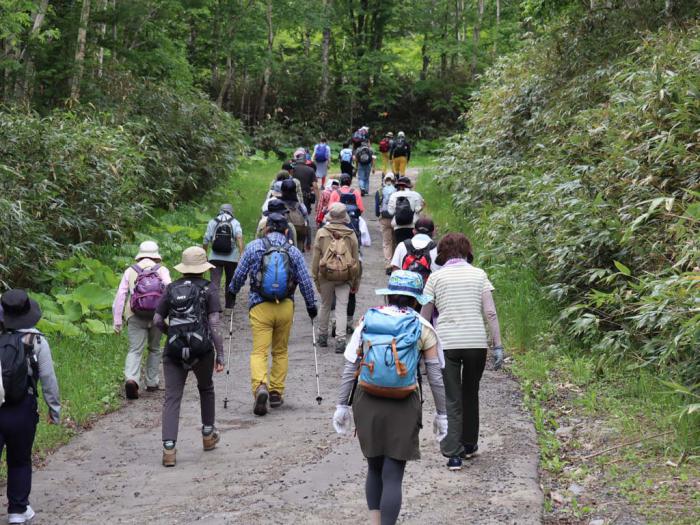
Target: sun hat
x=425, y=225
x=276, y=190
x=148, y=250
x=402, y=134
x=277, y=222
x=404, y=181
x=18, y=310
x=226, y=208
x=338, y=213
x=389, y=134
x=403, y=282
x=194, y=260
x=299, y=153
x=331, y=183
x=275, y=206
x=389, y=176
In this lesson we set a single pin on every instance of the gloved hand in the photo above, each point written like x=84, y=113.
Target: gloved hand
x=342, y=420
x=312, y=311
x=497, y=357
x=440, y=426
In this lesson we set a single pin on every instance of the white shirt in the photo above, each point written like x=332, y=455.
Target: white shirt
x=419, y=241
x=414, y=198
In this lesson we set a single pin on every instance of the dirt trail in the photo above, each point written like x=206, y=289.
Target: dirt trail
x=290, y=466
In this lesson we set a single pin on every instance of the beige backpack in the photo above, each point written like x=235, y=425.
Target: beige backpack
x=337, y=263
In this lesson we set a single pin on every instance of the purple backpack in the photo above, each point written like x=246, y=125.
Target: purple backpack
x=148, y=289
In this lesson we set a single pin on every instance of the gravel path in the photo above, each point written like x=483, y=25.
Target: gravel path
x=290, y=466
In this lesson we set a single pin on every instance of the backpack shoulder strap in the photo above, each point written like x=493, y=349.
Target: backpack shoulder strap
x=410, y=249
x=137, y=269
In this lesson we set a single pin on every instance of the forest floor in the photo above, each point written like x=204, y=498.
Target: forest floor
x=289, y=466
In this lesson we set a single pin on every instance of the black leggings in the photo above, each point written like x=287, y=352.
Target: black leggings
x=383, y=487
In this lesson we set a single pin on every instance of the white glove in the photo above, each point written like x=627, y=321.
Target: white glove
x=342, y=420
x=440, y=426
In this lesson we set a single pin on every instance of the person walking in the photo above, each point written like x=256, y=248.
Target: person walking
x=381, y=210
x=419, y=253
x=364, y=162
x=298, y=213
x=275, y=268
x=385, y=146
x=276, y=206
x=225, y=236
x=386, y=402
x=141, y=287
x=400, y=154
x=306, y=176
x=345, y=182
x=463, y=295
x=190, y=313
x=404, y=207
x=322, y=158
x=19, y=413
x=346, y=157
x=335, y=270
x=322, y=208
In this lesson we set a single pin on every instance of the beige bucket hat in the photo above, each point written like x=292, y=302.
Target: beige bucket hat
x=338, y=214
x=194, y=260
x=148, y=250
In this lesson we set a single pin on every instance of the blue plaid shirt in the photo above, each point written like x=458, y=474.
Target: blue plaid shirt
x=250, y=262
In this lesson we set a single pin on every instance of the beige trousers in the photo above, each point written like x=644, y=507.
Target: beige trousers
x=328, y=290
x=387, y=240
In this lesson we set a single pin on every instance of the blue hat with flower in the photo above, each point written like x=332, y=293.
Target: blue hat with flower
x=403, y=282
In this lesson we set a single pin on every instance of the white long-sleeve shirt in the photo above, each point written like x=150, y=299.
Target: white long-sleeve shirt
x=414, y=198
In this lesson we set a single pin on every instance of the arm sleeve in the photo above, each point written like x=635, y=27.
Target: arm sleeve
x=120, y=300
x=427, y=311
x=355, y=282
x=408, y=152
x=214, y=321
x=399, y=254
x=316, y=258
x=437, y=387
x=360, y=203
x=209, y=233
x=489, y=310
x=165, y=275
x=47, y=377
x=159, y=323
x=346, y=381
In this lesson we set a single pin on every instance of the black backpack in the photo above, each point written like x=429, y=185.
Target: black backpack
x=223, y=237
x=400, y=148
x=17, y=359
x=404, y=212
x=418, y=261
x=364, y=155
x=189, y=337
x=350, y=201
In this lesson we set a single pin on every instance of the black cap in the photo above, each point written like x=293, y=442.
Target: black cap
x=404, y=181
x=345, y=179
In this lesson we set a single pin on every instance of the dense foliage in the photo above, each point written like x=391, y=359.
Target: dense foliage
x=582, y=158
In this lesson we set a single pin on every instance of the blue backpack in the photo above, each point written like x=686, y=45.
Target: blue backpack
x=321, y=153
x=389, y=366
x=274, y=281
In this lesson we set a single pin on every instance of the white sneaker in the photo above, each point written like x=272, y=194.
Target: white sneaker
x=25, y=517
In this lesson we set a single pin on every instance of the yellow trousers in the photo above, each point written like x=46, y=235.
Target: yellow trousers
x=270, y=324
x=385, y=162
x=400, y=164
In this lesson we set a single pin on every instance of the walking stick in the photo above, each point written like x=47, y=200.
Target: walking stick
x=228, y=362
x=318, y=385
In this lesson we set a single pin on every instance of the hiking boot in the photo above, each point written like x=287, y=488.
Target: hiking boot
x=454, y=463
x=131, y=388
x=469, y=451
x=388, y=271
x=340, y=346
x=23, y=517
x=209, y=441
x=322, y=341
x=152, y=388
x=349, y=327
x=169, y=457
x=333, y=328
x=276, y=400
x=261, y=395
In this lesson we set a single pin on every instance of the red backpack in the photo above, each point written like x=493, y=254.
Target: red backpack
x=384, y=145
x=418, y=261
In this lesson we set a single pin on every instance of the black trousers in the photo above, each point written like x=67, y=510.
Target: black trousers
x=462, y=375
x=17, y=429
x=227, y=268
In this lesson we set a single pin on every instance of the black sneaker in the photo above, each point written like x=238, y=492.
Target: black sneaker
x=454, y=463
x=261, y=396
x=276, y=400
x=470, y=451
x=322, y=341
x=131, y=388
x=340, y=346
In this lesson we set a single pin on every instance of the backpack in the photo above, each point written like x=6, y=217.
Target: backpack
x=389, y=366
x=223, y=237
x=337, y=263
x=358, y=137
x=418, y=261
x=404, y=211
x=364, y=155
x=384, y=196
x=321, y=153
x=295, y=215
x=346, y=155
x=384, y=145
x=274, y=280
x=353, y=210
x=400, y=147
x=17, y=359
x=148, y=289
x=189, y=337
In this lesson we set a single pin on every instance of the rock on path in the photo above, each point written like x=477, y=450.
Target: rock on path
x=290, y=466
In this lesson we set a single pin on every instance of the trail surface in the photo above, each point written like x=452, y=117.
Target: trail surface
x=287, y=467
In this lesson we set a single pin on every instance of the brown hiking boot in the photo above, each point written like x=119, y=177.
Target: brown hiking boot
x=169, y=457
x=261, y=395
x=276, y=400
x=209, y=442
x=131, y=388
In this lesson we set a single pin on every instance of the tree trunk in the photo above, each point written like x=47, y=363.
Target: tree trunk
x=23, y=87
x=79, y=63
x=325, y=47
x=268, y=66
x=668, y=7
x=498, y=28
x=426, y=58
x=102, y=6
x=226, y=83
x=477, y=35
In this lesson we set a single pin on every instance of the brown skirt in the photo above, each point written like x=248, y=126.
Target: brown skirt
x=388, y=427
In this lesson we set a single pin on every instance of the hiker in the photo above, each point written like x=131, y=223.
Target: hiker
x=306, y=176
x=335, y=270
x=364, y=161
x=140, y=290
x=225, y=235
x=345, y=156
x=322, y=158
x=400, y=154
x=322, y=208
x=345, y=181
x=192, y=309
x=298, y=213
x=381, y=203
x=275, y=268
x=404, y=207
x=287, y=172
x=275, y=206
x=26, y=361
x=463, y=295
x=386, y=402
x=419, y=253
x=359, y=137
x=385, y=148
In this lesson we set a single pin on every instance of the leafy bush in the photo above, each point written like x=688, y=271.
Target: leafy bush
x=582, y=150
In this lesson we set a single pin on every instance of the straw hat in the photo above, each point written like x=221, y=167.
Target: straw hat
x=403, y=282
x=148, y=250
x=194, y=260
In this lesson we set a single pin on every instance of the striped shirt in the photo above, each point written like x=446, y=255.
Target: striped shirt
x=456, y=291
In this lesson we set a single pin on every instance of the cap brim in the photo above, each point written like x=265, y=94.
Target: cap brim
x=28, y=320
x=197, y=268
x=421, y=298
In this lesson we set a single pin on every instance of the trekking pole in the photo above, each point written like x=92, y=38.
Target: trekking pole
x=228, y=362
x=318, y=385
